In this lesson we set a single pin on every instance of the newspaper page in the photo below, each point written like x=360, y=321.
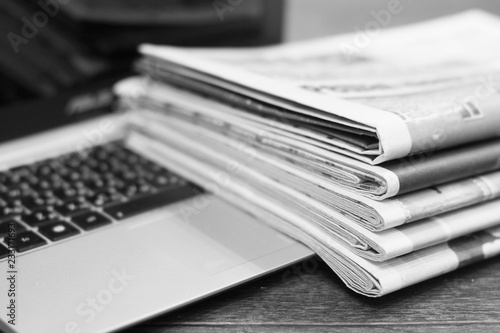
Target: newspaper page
x=444, y=58
x=376, y=182
x=380, y=246
x=442, y=198
x=374, y=215
x=368, y=278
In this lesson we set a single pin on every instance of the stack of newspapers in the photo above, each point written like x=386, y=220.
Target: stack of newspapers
x=382, y=157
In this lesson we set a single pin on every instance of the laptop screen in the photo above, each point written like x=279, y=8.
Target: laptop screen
x=25, y=118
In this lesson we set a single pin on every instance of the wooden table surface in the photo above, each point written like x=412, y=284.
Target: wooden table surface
x=315, y=300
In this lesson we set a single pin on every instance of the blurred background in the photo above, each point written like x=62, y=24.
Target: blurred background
x=54, y=50
x=326, y=17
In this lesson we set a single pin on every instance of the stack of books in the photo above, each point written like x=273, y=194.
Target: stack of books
x=381, y=156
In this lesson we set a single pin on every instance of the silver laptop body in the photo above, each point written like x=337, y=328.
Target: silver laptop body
x=106, y=278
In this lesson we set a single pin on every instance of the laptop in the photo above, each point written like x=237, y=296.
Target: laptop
x=92, y=234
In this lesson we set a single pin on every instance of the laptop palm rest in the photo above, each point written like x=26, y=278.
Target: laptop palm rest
x=139, y=268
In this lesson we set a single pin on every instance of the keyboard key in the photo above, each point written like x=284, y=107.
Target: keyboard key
x=34, y=203
x=56, y=181
x=105, y=197
x=73, y=176
x=4, y=252
x=100, y=154
x=147, y=202
x=67, y=193
x=164, y=181
x=133, y=159
x=144, y=173
x=58, y=230
x=43, y=185
x=133, y=189
x=4, y=227
x=87, y=173
x=72, y=207
x=28, y=240
x=31, y=180
x=120, y=154
x=60, y=170
x=41, y=216
x=92, y=163
x=43, y=170
x=115, y=164
x=96, y=184
x=73, y=161
x=11, y=211
x=3, y=189
x=115, y=183
x=16, y=192
x=103, y=167
x=13, y=179
x=128, y=175
x=90, y=220
x=3, y=177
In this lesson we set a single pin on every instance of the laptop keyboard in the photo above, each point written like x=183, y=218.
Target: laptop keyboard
x=69, y=195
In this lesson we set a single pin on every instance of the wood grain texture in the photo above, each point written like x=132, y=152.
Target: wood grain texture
x=293, y=300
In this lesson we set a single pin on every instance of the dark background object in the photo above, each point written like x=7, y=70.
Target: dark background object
x=54, y=52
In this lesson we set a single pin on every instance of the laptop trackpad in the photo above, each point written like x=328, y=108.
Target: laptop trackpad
x=211, y=239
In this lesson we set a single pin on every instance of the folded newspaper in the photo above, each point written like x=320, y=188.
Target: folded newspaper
x=418, y=88
x=370, y=214
x=363, y=276
x=383, y=162
x=374, y=181
x=379, y=246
